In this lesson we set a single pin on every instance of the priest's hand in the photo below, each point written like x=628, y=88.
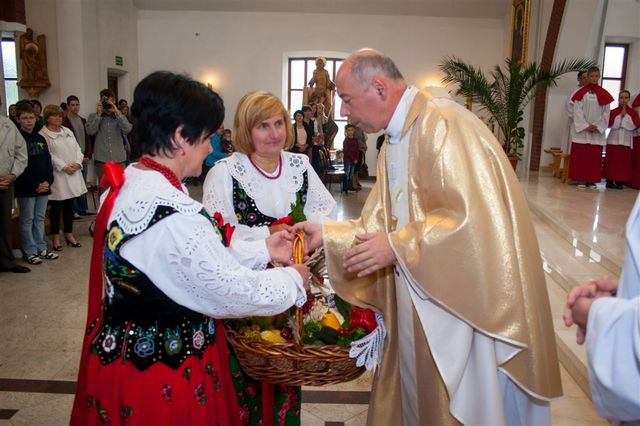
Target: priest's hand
x=373, y=252
x=312, y=234
x=280, y=247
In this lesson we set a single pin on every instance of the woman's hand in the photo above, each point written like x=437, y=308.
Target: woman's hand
x=280, y=247
x=305, y=273
x=280, y=227
x=312, y=234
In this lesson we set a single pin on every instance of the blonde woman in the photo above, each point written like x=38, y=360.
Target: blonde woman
x=68, y=182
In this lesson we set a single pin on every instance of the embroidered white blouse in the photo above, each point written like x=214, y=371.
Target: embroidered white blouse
x=183, y=256
x=273, y=197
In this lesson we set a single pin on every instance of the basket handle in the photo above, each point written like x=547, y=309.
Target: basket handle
x=298, y=259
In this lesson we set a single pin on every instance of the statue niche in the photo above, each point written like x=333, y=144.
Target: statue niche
x=33, y=60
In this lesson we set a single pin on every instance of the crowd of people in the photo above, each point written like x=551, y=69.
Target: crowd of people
x=50, y=161
x=594, y=128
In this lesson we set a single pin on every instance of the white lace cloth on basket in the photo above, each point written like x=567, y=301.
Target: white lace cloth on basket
x=368, y=350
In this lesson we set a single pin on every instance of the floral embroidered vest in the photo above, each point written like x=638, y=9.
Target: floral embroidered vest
x=141, y=324
x=246, y=210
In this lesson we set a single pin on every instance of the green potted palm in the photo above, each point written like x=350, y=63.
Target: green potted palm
x=506, y=91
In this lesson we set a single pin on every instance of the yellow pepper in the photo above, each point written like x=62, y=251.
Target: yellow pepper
x=272, y=336
x=330, y=320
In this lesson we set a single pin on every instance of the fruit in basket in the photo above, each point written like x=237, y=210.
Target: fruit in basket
x=330, y=320
x=310, y=332
x=272, y=336
x=328, y=335
x=365, y=318
x=251, y=332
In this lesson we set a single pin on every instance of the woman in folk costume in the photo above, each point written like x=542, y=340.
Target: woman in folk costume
x=623, y=120
x=635, y=167
x=255, y=189
x=590, y=119
x=155, y=350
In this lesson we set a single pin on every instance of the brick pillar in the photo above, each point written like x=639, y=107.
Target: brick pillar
x=540, y=103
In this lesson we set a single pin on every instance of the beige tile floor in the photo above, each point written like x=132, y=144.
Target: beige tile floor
x=42, y=313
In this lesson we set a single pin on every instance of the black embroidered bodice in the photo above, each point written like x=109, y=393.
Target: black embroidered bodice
x=246, y=210
x=141, y=324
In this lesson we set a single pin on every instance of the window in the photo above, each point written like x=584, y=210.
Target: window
x=10, y=69
x=614, y=71
x=300, y=72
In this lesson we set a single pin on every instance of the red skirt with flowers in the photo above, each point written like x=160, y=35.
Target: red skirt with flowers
x=199, y=392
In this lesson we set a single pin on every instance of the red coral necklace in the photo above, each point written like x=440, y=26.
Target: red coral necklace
x=263, y=173
x=164, y=170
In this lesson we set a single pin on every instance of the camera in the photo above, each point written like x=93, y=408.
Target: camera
x=105, y=103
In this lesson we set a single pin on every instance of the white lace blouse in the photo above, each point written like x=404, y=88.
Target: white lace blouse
x=183, y=256
x=273, y=197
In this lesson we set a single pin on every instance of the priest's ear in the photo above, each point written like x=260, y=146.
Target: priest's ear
x=380, y=87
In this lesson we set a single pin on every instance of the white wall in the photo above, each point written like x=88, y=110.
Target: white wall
x=240, y=52
x=83, y=38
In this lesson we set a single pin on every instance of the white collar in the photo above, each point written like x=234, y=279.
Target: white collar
x=254, y=184
x=143, y=191
x=394, y=128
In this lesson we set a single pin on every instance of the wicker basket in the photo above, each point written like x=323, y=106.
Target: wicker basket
x=293, y=363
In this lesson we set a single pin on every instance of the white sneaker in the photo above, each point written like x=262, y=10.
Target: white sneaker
x=33, y=259
x=46, y=254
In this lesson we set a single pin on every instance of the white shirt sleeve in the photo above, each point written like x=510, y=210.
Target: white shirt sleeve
x=320, y=205
x=217, y=196
x=183, y=257
x=252, y=254
x=613, y=349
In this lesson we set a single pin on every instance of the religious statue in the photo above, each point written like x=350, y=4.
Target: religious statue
x=322, y=93
x=33, y=56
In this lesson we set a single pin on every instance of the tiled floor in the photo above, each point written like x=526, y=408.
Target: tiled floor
x=42, y=313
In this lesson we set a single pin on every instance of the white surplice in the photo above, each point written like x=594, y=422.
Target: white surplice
x=467, y=360
x=613, y=338
x=587, y=112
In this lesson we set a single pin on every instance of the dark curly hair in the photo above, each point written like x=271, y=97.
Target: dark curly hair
x=163, y=102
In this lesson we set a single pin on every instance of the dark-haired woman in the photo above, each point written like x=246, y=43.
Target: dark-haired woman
x=155, y=351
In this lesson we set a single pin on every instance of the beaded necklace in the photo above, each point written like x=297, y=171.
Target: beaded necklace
x=164, y=170
x=263, y=173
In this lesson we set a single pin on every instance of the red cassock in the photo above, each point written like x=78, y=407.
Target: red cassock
x=619, y=158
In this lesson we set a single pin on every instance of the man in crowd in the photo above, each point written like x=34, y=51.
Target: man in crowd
x=108, y=126
x=13, y=161
x=445, y=249
x=77, y=125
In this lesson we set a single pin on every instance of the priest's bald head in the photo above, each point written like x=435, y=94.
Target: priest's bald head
x=370, y=86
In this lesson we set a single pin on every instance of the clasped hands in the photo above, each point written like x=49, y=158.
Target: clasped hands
x=579, y=302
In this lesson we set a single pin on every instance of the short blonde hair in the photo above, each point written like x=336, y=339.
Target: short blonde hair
x=50, y=110
x=253, y=108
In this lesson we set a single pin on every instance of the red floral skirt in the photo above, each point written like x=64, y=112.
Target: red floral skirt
x=617, y=163
x=586, y=163
x=199, y=392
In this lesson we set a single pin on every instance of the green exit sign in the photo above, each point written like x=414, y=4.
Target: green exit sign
x=119, y=60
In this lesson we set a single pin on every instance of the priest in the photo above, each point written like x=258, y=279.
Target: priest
x=445, y=249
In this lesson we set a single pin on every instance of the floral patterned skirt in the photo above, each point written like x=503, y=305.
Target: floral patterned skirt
x=199, y=392
x=264, y=404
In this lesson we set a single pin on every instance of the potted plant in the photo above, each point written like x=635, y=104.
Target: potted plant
x=506, y=91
